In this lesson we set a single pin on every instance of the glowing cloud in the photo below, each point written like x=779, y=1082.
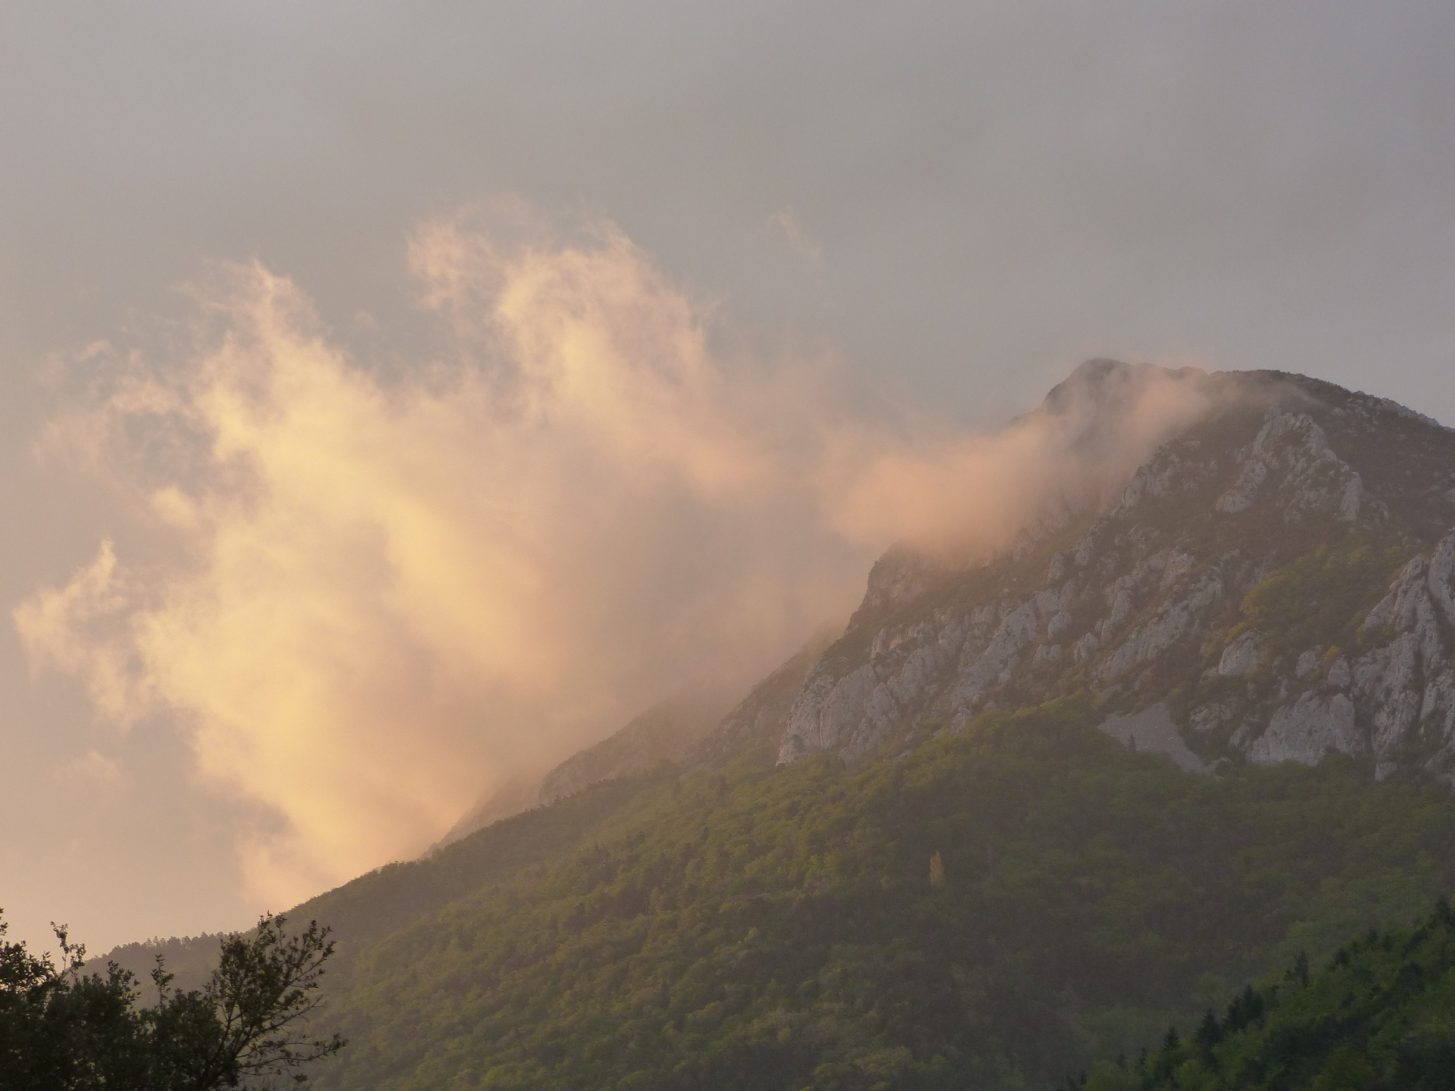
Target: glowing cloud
x=366, y=596
x=967, y=497
x=370, y=595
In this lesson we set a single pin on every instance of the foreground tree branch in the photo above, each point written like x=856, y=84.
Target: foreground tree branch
x=62, y=1030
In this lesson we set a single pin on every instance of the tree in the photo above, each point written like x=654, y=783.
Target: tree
x=64, y=1030
x=1209, y=1034
x=937, y=871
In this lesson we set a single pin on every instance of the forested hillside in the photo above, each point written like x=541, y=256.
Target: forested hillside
x=995, y=909
x=1380, y=1016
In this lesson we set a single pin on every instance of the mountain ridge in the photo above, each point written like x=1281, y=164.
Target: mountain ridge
x=1006, y=893
x=935, y=640
x=1144, y=596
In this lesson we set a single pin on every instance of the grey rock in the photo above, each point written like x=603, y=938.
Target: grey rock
x=1307, y=661
x=1175, y=620
x=1308, y=729
x=1240, y=657
x=1124, y=599
x=1152, y=730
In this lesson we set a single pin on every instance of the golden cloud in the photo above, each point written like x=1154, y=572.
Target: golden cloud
x=366, y=593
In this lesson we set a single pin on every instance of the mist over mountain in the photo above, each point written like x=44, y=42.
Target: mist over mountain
x=1045, y=793
x=1274, y=583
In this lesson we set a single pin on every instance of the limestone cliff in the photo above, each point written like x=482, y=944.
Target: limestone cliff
x=1277, y=577
x=1274, y=583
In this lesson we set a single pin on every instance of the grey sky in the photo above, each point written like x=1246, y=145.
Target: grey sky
x=961, y=200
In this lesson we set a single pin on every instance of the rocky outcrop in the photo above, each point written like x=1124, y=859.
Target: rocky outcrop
x=1148, y=596
x=755, y=727
x=1153, y=731
x=1291, y=458
x=1240, y=657
x=1308, y=729
x=1406, y=682
x=1148, y=599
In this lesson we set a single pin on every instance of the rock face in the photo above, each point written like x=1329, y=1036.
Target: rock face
x=1276, y=582
x=1153, y=730
x=1281, y=574
x=755, y=726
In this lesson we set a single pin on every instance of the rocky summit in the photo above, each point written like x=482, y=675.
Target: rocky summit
x=1274, y=583
x=1263, y=573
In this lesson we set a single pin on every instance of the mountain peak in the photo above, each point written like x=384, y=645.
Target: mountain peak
x=1103, y=383
x=1275, y=579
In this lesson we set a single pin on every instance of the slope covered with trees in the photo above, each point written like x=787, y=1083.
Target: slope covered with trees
x=1380, y=1016
x=995, y=909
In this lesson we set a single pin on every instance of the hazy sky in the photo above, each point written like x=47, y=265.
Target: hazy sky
x=397, y=393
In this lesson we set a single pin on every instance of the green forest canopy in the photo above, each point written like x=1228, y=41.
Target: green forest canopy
x=783, y=929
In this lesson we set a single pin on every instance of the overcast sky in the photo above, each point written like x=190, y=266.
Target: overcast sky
x=915, y=212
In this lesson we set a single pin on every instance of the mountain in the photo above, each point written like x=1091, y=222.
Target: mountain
x=994, y=909
x=1276, y=582
x=945, y=848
